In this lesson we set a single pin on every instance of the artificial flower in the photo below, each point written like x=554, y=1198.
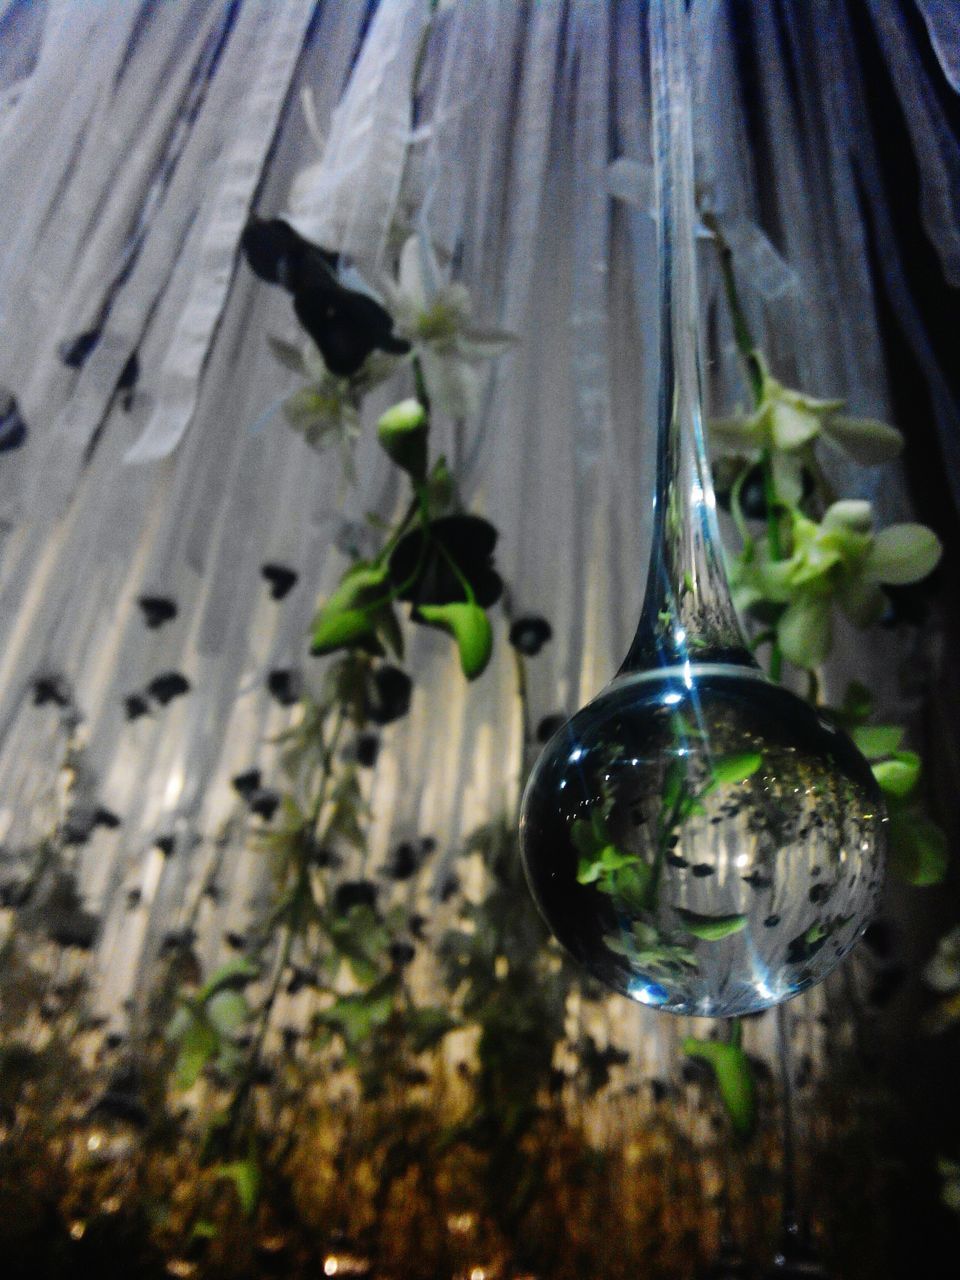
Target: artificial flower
x=786, y=423
x=326, y=410
x=838, y=560
x=346, y=323
x=437, y=319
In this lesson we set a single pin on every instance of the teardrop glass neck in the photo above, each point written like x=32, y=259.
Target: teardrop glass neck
x=687, y=615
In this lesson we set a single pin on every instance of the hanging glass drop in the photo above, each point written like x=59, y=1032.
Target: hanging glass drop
x=697, y=837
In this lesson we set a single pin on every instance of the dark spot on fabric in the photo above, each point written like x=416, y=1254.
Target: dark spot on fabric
x=281, y=579
x=529, y=634
x=245, y=784
x=387, y=694
x=135, y=706
x=51, y=688
x=164, y=688
x=264, y=803
x=285, y=685
x=157, y=610
x=354, y=893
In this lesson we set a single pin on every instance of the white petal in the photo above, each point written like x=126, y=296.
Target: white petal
x=902, y=553
x=787, y=477
x=804, y=631
x=792, y=425
x=410, y=276
x=850, y=513
x=865, y=440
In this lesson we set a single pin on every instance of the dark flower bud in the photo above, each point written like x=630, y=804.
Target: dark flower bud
x=403, y=863
x=74, y=352
x=51, y=688
x=164, y=688
x=401, y=953
x=467, y=541
x=264, y=803
x=157, y=610
x=388, y=694
x=13, y=429
x=529, y=634
x=245, y=784
x=285, y=685
x=354, y=893
x=366, y=749
x=135, y=706
x=281, y=579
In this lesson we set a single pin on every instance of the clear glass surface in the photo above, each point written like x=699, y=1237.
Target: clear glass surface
x=698, y=837
x=702, y=841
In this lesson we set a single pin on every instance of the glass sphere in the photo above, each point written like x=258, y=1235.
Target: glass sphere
x=703, y=841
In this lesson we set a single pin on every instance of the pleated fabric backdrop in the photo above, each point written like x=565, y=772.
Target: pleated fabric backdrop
x=135, y=141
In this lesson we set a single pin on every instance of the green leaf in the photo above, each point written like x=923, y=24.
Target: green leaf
x=469, y=626
x=402, y=431
x=899, y=775
x=674, y=781
x=235, y=973
x=197, y=1046
x=632, y=885
x=245, y=1176
x=351, y=627
x=735, y=768
x=588, y=870
x=427, y=1027
x=804, y=631
x=583, y=839
x=356, y=1016
x=919, y=853
x=731, y=1069
x=360, y=938
x=613, y=858
x=877, y=740
x=710, y=928
x=857, y=703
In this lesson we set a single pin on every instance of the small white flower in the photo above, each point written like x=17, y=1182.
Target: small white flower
x=839, y=560
x=787, y=423
x=437, y=318
x=326, y=411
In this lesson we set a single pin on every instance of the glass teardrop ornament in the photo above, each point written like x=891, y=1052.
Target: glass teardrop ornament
x=698, y=837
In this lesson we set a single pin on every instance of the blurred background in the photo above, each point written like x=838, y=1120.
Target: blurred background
x=395, y=1073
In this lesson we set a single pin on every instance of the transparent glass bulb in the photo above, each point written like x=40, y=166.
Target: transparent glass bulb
x=702, y=840
x=698, y=837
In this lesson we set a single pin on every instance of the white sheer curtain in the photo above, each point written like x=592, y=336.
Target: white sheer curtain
x=135, y=139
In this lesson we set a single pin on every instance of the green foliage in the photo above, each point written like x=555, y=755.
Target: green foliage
x=469, y=626
x=710, y=928
x=245, y=1176
x=402, y=431
x=731, y=1069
